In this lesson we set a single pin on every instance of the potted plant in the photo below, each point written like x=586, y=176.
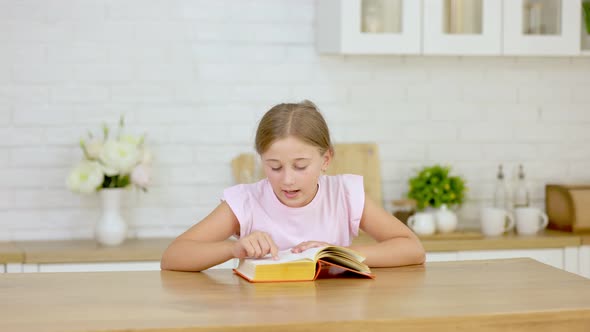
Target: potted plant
x=109, y=165
x=433, y=187
x=586, y=9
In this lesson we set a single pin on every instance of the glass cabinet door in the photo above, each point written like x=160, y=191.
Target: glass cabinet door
x=369, y=26
x=542, y=27
x=465, y=27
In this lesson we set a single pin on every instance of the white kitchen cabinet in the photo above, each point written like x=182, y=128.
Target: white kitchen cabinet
x=452, y=27
x=101, y=267
x=97, y=267
x=584, y=261
x=542, y=27
x=462, y=27
x=441, y=256
x=369, y=26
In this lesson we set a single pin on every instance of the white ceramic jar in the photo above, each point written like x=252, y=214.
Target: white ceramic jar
x=446, y=220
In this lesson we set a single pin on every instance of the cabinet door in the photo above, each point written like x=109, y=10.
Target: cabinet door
x=584, y=261
x=113, y=266
x=463, y=27
x=553, y=257
x=99, y=267
x=441, y=256
x=369, y=26
x=542, y=27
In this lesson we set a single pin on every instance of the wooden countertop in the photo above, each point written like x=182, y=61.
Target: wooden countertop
x=89, y=251
x=151, y=249
x=496, y=295
x=472, y=240
x=10, y=253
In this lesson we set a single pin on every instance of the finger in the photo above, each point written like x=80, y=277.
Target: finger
x=299, y=248
x=304, y=246
x=274, y=250
x=264, y=245
x=311, y=244
x=256, y=248
x=249, y=248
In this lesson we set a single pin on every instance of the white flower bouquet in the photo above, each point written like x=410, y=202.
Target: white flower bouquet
x=111, y=162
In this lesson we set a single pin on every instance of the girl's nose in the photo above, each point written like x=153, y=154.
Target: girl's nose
x=288, y=177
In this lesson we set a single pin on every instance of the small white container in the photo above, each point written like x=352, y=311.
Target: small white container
x=446, y=220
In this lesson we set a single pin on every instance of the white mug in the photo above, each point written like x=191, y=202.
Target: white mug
x=422, y=223
x=495, y=221
x=530, y=221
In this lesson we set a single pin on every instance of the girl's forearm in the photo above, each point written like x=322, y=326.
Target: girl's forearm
x=397, y=251
x=189, y=255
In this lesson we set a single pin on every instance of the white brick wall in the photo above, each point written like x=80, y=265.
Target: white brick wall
x=197, y=75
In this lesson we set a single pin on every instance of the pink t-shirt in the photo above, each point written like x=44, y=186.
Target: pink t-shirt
x=333, y=216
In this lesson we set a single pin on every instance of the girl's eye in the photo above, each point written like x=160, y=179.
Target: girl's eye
x=276, y=169
x=300, y=168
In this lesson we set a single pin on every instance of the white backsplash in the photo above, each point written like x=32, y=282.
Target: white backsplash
x=197, y=75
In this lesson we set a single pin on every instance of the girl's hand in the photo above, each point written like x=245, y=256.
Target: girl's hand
x=255, y=245
x=308, y=244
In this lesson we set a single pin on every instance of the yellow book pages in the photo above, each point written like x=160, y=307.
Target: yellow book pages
x=305, y=266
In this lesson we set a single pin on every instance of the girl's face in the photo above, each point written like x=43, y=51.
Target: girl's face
x=293, y=169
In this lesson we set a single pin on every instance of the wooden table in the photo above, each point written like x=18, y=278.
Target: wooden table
x=496, y=295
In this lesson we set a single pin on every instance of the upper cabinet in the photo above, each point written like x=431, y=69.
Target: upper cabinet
x=542, y=27
x=462, y=27
x=369, y=26
x=453, y=27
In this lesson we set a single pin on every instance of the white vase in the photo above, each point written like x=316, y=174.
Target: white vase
x=446, y=220
x=111, y=228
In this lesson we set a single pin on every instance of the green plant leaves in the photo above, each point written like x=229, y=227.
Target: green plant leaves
x=433, y=187
x=586, y=8
x=116, y=181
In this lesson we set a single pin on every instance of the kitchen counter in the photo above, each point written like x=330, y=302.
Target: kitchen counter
x=497, y=295
x=88, y=251
x=471, y=240
x=151, y=249
x=10, y=253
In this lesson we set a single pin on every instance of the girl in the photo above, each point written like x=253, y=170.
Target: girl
x=295, y=206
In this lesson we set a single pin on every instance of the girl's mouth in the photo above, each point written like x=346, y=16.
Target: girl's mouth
x=290, y=193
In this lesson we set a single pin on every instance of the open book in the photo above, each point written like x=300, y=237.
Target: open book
x=326, y=261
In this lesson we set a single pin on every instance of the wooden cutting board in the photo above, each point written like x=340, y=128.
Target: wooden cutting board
x=244, y=168
x=361, y=159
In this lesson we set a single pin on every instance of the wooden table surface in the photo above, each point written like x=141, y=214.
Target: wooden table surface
x=495, y=295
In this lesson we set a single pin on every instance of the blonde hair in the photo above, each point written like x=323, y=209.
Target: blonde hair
x=302, y=120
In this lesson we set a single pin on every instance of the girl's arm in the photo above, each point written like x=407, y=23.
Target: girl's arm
x=205, y=244
x=396, y=244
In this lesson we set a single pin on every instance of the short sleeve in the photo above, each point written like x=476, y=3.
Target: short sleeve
x=238, y=198
x=355, y=198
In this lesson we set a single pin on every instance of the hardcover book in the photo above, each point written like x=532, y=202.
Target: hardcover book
x=313, y=263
